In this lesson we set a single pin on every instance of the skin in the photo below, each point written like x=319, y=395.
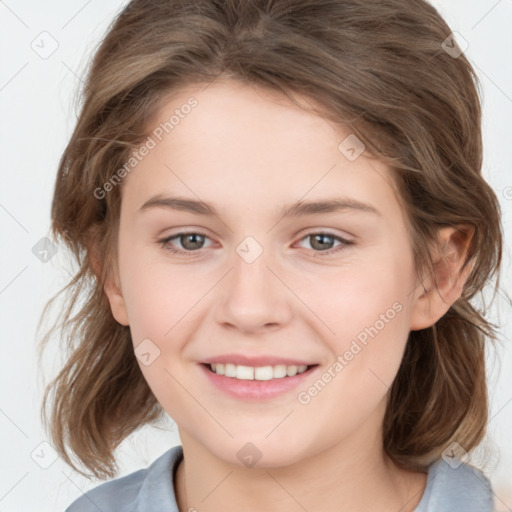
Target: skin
x=249, y=152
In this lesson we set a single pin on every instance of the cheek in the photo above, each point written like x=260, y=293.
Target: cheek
x=362, y=297
x=156, y=294
x=367, y=310
x=371, y=326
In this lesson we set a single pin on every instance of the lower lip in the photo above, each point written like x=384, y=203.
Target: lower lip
x=256, y=389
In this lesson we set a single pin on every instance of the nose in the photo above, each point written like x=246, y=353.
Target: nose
x=252, y=298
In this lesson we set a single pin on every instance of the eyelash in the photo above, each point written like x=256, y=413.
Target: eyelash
x=164, y=242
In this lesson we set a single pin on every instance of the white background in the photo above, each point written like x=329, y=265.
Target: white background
x=37, y=119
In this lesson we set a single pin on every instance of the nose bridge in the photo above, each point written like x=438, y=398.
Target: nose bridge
x=250, y=271
x=253, y=297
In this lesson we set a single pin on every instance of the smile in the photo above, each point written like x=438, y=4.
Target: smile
x=257, y=383
x=256, y=373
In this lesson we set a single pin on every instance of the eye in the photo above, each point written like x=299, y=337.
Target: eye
x=191, y=242
x=322, y=243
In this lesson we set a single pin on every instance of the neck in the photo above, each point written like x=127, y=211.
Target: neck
x=345, y=477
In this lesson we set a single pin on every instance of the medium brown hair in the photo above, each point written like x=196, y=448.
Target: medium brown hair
x=378, y=67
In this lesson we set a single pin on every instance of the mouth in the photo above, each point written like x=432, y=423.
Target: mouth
x=256, y=384
x=257, y=373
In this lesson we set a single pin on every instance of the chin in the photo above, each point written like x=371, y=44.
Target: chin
x=258, y=454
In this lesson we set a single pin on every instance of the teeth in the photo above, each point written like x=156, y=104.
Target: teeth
x=244, y=373
x=264, y=373
x=241, y=372
x=291, y=370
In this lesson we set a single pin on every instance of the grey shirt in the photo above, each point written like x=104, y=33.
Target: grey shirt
x=464, y=488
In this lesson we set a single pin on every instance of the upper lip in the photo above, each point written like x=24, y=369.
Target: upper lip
x=256, y=361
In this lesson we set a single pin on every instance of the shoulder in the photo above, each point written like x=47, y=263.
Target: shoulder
x=134, y=492
x=457, y=487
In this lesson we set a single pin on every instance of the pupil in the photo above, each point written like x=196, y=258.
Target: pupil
x=323, y=244
x=195, y=244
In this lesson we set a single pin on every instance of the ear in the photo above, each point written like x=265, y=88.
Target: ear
x=109, y=275
x=436, y=294
x=114, y=294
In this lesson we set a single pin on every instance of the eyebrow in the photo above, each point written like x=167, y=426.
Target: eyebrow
x=298, y=209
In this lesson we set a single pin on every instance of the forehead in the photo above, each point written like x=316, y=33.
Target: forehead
x=254, y=147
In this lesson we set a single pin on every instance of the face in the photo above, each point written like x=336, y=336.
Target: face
x=329, y=289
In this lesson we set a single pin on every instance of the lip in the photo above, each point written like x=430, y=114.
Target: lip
x=256, y=361
x=256, y=390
